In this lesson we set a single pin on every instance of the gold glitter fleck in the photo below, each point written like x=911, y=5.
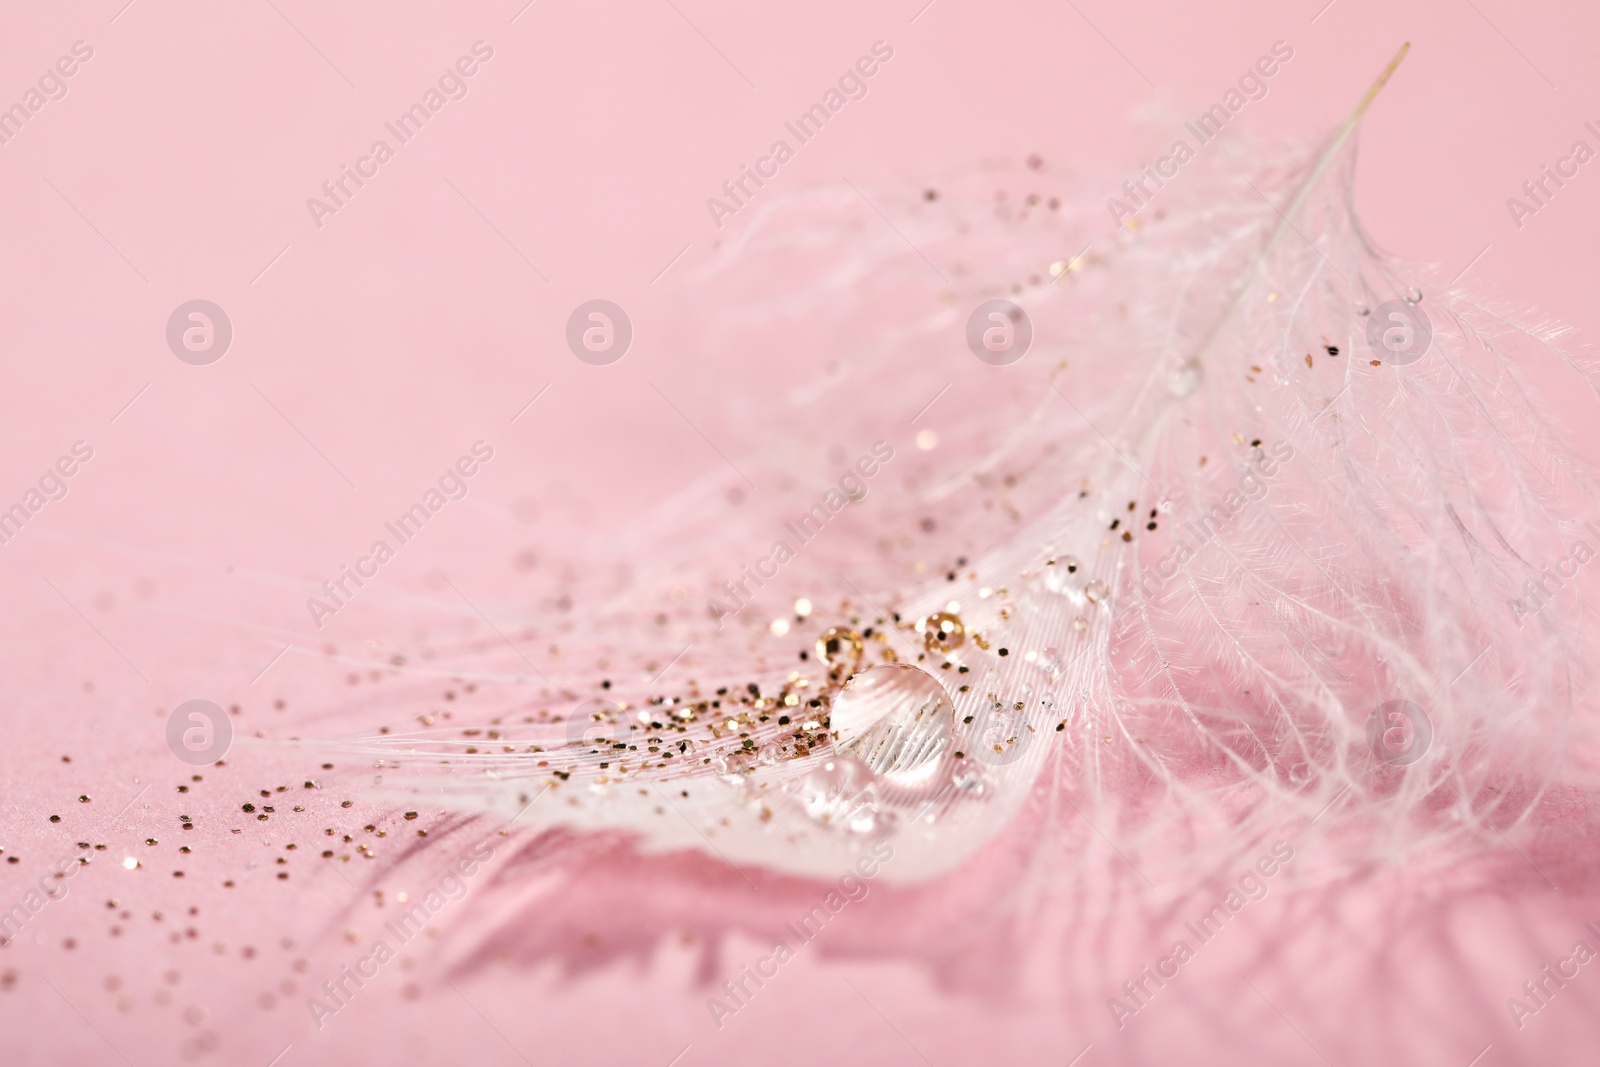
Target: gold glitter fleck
x=942, y=631
x=839, y=646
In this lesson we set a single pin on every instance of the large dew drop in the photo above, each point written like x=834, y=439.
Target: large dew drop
x=896, y=719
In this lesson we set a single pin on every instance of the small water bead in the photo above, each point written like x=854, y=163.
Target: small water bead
x=1000, y=737
x=839, y=647
x=1096, y=592
x=1413, y=295
x=1184, y=380
x=942, y=632
x=840, y=792
x=730, y=771
x=1064, y=575
x=868, y=818
x=896, y=719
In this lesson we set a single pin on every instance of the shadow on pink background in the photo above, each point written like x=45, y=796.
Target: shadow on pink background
x=374, y=345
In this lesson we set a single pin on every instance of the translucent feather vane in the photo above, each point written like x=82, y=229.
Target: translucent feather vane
x=1264, y=527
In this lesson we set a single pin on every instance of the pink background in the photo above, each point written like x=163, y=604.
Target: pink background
x=407, y=327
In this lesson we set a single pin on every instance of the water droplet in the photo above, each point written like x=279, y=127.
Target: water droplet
x=869, y=818
x=1080, y=624
x=896, y=719
x=1096, y=592
x=1065, y=576
x=1413, y=295
x=839, y=646
x=1185, y=380
x=942, y=632
x=1001, y=736
x=840, y=793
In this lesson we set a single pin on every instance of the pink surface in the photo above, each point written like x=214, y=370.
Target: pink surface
x=375, y=345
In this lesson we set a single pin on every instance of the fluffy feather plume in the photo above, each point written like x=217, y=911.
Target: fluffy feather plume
x=1265, y=528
